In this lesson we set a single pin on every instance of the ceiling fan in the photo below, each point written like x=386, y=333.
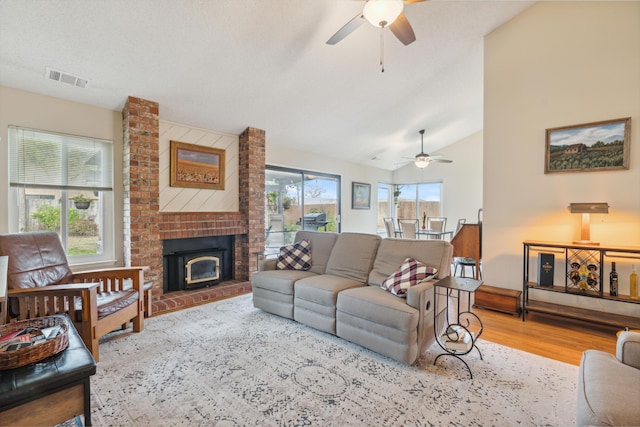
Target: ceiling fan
x=382, y=14
x=422, y=159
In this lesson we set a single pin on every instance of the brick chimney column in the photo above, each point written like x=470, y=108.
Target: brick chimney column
x=142, y=243
x=252, y=175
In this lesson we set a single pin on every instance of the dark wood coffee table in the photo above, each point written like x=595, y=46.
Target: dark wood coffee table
x=51, y=391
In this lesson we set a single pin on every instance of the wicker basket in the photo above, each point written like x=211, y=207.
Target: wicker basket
x=34, y=353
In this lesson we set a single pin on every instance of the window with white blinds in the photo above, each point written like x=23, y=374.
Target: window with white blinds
x=63, y=183
x=45, y=159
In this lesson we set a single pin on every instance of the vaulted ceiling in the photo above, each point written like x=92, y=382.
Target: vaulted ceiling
x=224, y=65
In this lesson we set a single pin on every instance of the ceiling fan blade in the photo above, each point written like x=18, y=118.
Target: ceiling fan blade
x=441, y=160
x=413, y=1
x=347, y=29
x=402, y=30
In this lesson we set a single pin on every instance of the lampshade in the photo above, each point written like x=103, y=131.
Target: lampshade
x=422, y=161
x=586, y=209
x=595, y=208
x=382, y=13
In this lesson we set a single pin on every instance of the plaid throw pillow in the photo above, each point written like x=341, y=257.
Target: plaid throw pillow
x=295, y=257
x=410, y=273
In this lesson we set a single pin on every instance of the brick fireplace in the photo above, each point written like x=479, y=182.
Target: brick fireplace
x=145, y=227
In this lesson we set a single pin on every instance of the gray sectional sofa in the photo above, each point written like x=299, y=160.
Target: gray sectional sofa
x=341, y=294
x=608, y=386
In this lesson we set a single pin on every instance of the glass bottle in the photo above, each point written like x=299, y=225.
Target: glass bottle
x=633, y=283
x=613, y=281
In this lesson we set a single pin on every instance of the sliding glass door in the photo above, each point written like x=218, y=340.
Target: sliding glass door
x=299, y=200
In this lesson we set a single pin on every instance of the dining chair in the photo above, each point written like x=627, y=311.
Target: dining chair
x=436, y=223
x=464, y=262
x=388, y=225
x=409, y=228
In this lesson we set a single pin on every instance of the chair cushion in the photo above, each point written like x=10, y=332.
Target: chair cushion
x=295, y=257
x=410, y=273
x=110, y=302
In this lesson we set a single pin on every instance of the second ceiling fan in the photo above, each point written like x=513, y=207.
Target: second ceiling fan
x=382, y=14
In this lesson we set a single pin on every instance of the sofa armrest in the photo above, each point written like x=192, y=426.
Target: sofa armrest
x=267, y=264
x=415, y=293
x=628, y=348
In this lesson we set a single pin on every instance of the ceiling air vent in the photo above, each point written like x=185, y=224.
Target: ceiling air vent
x=67, y=78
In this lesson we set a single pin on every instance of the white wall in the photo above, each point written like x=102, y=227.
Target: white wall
x=557, y=64
x=25, y=109
x=462, y=179
x=353, y=220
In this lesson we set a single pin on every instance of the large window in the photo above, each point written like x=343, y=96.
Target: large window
x=408, y=201
x=299, y=200
x=63, y=183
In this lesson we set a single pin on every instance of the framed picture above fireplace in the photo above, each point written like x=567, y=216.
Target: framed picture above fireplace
x=196, y=166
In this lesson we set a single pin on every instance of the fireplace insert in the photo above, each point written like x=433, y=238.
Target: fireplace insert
x=196, y=262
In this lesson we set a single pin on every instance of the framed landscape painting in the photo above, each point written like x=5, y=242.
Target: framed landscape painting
x=196, y=166
x=360, y=195
x=588, y=147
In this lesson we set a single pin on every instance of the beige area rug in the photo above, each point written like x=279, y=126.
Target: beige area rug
x=229, y=364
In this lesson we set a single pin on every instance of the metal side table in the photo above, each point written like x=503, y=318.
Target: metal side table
x=457, y=329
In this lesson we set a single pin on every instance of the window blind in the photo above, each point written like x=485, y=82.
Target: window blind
x=53, y=160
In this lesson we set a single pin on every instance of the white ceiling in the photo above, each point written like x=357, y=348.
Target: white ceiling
x=224, y=65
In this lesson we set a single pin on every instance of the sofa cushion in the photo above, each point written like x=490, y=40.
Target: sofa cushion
x=377, y=306
x=322, y=244
x=410, y=273
x=392, y=253
x=323, y=289
x=295, y=257
x=280, y=281
x=353, y=254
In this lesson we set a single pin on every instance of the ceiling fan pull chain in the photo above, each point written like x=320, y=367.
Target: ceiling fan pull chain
x=382, y=49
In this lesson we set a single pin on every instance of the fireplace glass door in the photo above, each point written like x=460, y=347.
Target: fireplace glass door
x=202, y=269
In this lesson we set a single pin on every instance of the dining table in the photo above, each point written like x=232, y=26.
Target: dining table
x=438, y=235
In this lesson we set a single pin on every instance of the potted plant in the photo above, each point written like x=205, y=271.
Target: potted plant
x=81, y=201
x=396, y=194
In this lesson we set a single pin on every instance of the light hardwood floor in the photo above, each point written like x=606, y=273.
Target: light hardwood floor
x=548, y=336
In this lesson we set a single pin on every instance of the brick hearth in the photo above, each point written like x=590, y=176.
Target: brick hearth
x=179, y=300
x=145, y=227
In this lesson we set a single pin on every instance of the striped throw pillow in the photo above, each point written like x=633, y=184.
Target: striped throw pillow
x=410, y=273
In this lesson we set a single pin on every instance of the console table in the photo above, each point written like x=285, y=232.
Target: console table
x=570, y=253
x=461, y=327
x=51, y=391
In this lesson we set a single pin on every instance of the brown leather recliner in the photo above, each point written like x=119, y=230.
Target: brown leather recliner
x=40, y=283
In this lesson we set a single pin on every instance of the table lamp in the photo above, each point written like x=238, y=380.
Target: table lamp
x=586, y=209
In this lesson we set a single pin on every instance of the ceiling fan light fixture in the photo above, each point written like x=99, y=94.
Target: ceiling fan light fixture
x=422, y=160
x=382, y=13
